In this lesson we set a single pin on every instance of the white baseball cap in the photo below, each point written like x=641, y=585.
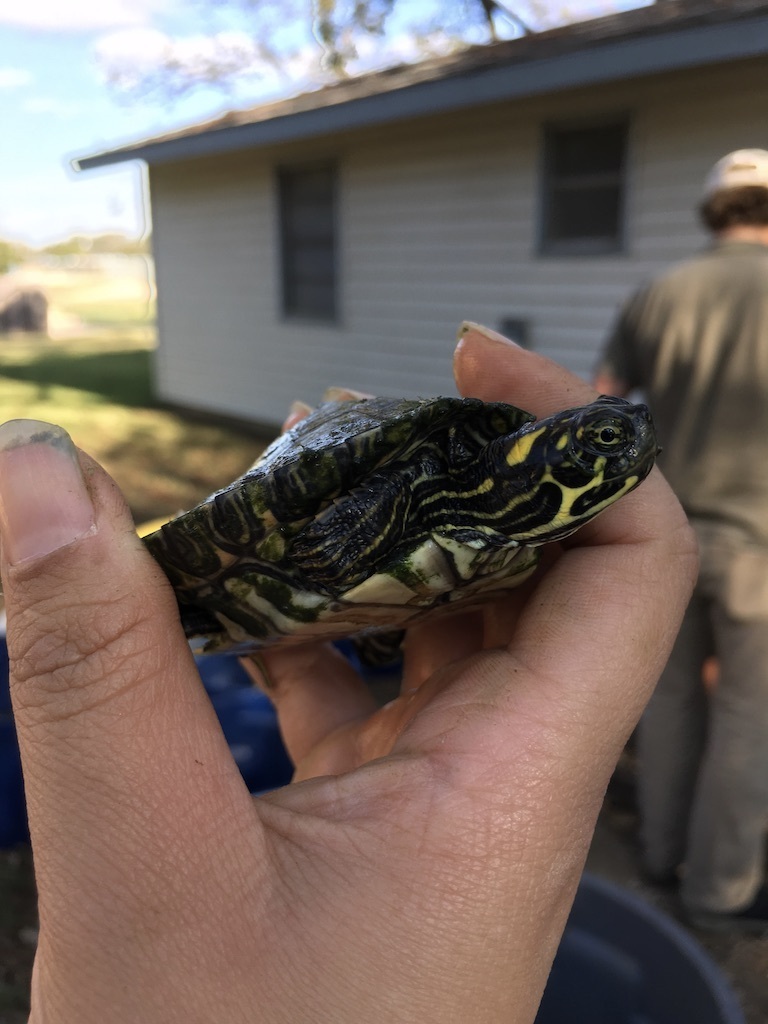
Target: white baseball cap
x=740, y=169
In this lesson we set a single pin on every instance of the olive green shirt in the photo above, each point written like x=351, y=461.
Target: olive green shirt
x=695, y=340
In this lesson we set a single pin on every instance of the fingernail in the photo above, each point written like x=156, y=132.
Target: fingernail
x=338, y=394
x=44, y=503
x=486, y=332
x=299, y=410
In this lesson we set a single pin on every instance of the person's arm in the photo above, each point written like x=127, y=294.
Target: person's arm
x=618, y=371
x=422, y=866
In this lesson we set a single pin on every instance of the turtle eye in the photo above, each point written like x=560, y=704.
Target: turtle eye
x=606, y=436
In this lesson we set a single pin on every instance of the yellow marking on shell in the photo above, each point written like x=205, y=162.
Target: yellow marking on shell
x=430, y=570
x=272, y=548
x=428, y=564
x=463, y=555
x=246, y=593
x=562, y=442
x=381, y=588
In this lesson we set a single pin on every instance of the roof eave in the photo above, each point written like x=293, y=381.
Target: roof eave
x=649, y=54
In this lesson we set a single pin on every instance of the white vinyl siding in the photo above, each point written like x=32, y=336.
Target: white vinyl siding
x=438, y=221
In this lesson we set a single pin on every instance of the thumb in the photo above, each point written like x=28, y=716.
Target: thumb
x=122, y=753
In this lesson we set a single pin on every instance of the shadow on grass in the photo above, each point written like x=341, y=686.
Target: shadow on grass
x=122, y=377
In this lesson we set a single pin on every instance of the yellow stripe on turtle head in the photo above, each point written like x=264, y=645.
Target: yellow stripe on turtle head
x=571, y=496
x=519, y=452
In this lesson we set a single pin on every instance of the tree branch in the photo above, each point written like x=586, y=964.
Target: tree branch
x=491, y=6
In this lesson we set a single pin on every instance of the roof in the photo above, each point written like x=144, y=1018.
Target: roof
x=668, y=35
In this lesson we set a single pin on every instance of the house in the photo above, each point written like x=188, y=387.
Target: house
x=340, y=236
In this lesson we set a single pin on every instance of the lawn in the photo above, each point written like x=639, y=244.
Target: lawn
x=99, y=389
x=91, y=293
x=93, y=377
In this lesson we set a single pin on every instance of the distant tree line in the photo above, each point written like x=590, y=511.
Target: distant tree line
x=86, y=245
x=15, y=253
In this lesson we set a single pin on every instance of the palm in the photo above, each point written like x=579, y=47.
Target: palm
x=330, y=722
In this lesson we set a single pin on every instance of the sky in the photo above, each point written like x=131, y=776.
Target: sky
x=56, y=103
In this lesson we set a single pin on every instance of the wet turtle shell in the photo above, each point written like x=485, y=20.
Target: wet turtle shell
x=371, y=514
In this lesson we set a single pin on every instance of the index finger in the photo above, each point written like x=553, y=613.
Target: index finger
x=489, y=366
x=596, y=630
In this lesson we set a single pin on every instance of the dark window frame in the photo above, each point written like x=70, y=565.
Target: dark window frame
x=554, y=179
x=308, y=233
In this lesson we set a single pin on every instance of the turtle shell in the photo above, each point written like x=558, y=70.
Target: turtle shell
x=370, y=514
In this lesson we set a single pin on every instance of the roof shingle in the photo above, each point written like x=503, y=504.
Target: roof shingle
x=697, y=19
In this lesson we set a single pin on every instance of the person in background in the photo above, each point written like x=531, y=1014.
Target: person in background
x=421, y=866
x=695, y=340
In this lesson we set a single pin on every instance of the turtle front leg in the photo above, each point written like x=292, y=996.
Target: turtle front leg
x=344, y=543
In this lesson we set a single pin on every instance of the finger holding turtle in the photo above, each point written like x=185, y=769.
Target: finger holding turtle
x=300, y=410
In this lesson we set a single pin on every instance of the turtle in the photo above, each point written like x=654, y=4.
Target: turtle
x=371, y=514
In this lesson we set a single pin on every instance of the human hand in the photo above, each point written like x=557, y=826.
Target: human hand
x=422, y=866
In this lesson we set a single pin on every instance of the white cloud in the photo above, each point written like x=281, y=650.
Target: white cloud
x=405, y=48
x=78, y=15
x=132, y=56
x=14, y=78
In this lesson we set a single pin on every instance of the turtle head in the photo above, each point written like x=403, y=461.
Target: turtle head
x=557, y=473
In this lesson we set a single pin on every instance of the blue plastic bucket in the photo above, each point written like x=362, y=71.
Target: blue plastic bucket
x=248, y=721
x=622, y=961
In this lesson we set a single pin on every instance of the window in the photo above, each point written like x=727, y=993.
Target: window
x=583, y=188
x=307, y=197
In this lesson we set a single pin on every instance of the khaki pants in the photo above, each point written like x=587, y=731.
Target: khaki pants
x=704, y=757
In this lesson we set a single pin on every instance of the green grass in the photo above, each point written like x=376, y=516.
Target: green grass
x=121, y=376
x=95, y=295
x=100, y=391
x=109, y=312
